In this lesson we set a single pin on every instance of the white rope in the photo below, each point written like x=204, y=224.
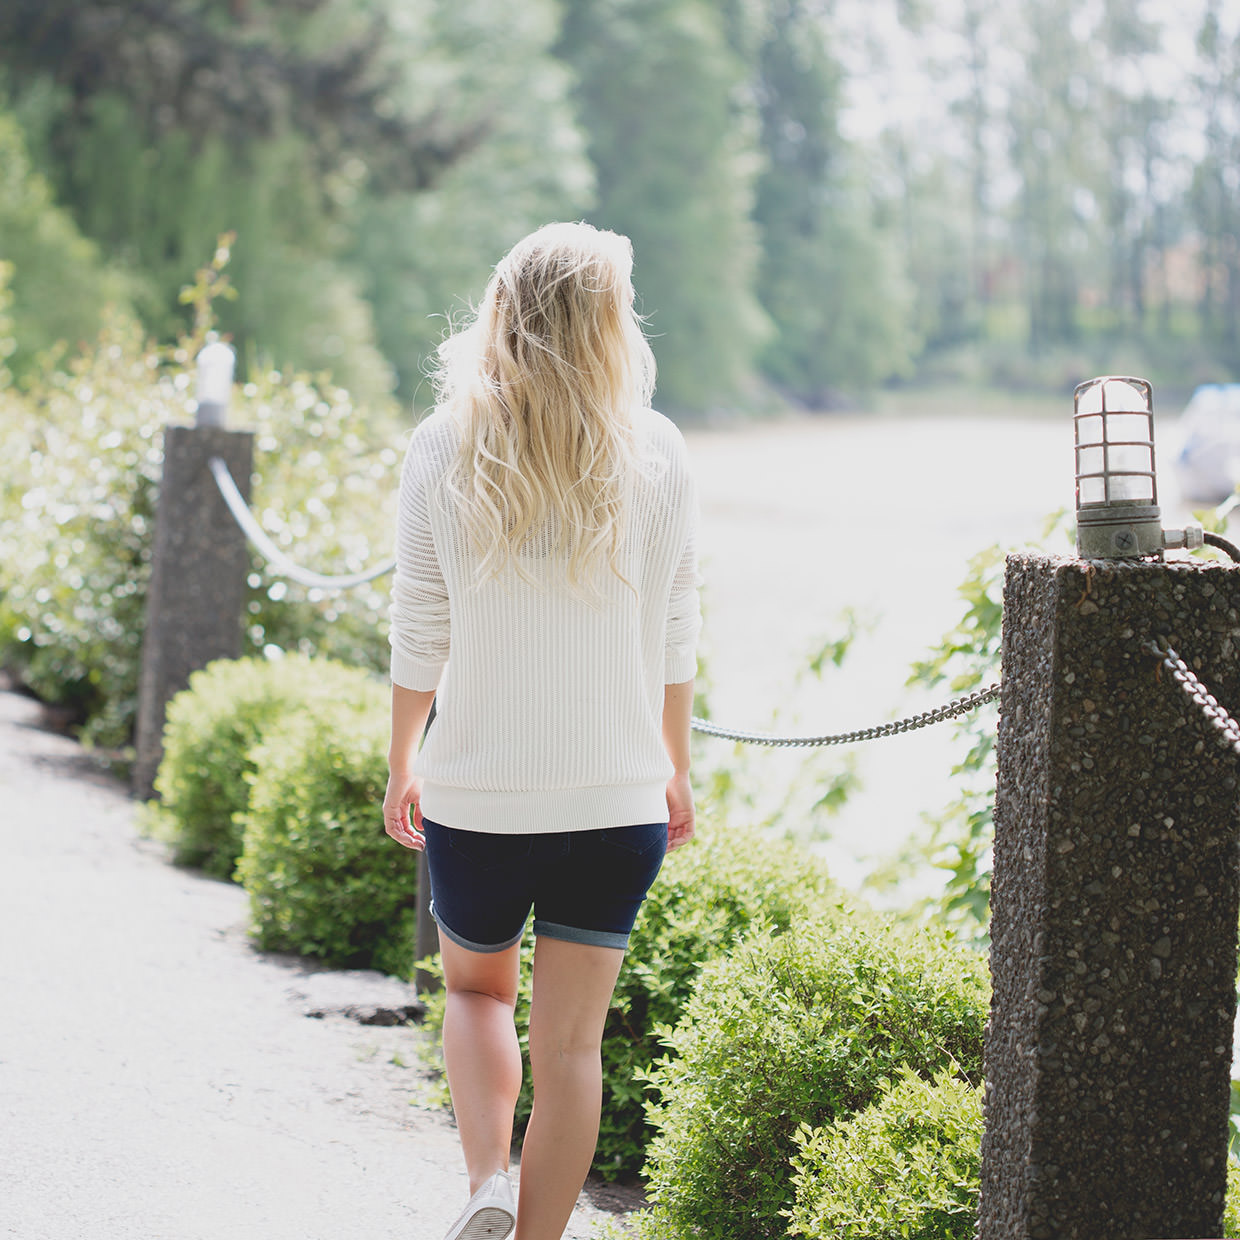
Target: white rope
x=279, y=563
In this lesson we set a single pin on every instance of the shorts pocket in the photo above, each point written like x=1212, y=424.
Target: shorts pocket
x=489, y=852
x=639, y=841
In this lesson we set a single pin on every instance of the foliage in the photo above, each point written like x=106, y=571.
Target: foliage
x=828, y=275
x=322, y=878
x=908, y=1165
x=373, y=160
x=802, y=1027
x=706, y=898
x=60, y=285
x=158, y=203
x=1212, y=198
x=77, y=493
x=735, y=784
x=829, y=205
x=212, y=730
x=967, y=656
x=331, y=71
x=1231, y=1205
x=78, y=490
x=422, y=257
x=935, y=231
x=8, y=342
x=682, y=191
x=324, y=491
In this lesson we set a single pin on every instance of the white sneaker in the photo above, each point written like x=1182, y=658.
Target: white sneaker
x=491, y=1213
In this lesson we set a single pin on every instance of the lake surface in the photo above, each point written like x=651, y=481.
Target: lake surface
x=805, y=517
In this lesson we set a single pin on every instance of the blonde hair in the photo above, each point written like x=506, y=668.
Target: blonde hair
x=544, y=383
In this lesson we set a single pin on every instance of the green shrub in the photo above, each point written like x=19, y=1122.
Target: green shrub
x=706, y=897
x=211, y=730
x=79, y=472
x=909, y=1165
x=1231, y=1206
x=323, y=878
x=797, y=1028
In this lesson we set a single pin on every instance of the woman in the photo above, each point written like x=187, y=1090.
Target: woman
x=546, y=597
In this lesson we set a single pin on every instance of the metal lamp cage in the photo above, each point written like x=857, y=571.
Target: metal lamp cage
x=1116, y=486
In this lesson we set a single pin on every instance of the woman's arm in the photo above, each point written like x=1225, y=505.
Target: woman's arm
x=410, y=710
x=677, y=716
x=420, y=636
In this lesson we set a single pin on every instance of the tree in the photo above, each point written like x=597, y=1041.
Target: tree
x=332, y=71
x=828, y=276
x=424, y=256
x=1215, y=194
x=1133, y=116
x=1055, y=154
x=671, y=135
x=318, y=132
x=60, y=286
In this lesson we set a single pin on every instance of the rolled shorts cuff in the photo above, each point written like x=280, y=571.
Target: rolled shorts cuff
x=575, y=934
x=461, y=941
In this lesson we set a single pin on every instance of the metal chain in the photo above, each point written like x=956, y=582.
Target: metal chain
x=279, y=563
x=1186, y=678
x=961, y=706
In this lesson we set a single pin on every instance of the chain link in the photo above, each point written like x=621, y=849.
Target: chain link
x=961, y=706
x=1186, y=678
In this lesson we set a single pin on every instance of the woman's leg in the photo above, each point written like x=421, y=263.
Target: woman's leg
x=573, y=985
x=482, y=1056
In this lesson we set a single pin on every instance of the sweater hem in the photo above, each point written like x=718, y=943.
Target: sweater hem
x=544, y=809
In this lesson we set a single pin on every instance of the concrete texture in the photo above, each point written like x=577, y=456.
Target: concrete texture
x=192, y=617
x=159, y=1079
x=1114, y=906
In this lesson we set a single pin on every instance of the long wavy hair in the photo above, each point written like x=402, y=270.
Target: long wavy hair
x=544, y=383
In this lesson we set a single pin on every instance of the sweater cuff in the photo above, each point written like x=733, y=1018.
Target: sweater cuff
x=679, y=666
x=413, y=674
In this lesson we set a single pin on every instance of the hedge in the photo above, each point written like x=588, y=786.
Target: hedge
x=796, y=1028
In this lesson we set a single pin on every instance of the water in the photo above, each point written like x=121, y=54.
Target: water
x=805, y=517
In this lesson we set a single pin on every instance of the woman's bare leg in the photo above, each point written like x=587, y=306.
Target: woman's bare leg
x=573, y=985
x=481, y=1054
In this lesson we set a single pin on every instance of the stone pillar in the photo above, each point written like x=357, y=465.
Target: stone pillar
x=199, y=565
x=1114, y=906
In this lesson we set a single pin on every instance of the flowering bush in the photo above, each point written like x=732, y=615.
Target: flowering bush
x=80, y=463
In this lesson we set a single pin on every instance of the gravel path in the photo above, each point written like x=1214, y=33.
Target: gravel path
x=161, y=1080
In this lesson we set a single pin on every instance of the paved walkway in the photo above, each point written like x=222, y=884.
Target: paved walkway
x=159, y=1079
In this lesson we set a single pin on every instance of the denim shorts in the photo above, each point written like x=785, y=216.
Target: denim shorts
x=583, y=886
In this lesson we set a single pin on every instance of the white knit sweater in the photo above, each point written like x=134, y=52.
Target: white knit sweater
x=548, y=709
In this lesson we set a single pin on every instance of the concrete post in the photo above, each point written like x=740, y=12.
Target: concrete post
x=196, y=597
x=1114, y=906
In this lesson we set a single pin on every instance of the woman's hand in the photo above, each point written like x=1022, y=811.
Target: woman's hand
x=404, y=793
x=680, y=814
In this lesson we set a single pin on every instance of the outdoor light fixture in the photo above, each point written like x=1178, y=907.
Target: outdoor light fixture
x=1117, y=513
x=215, y=376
